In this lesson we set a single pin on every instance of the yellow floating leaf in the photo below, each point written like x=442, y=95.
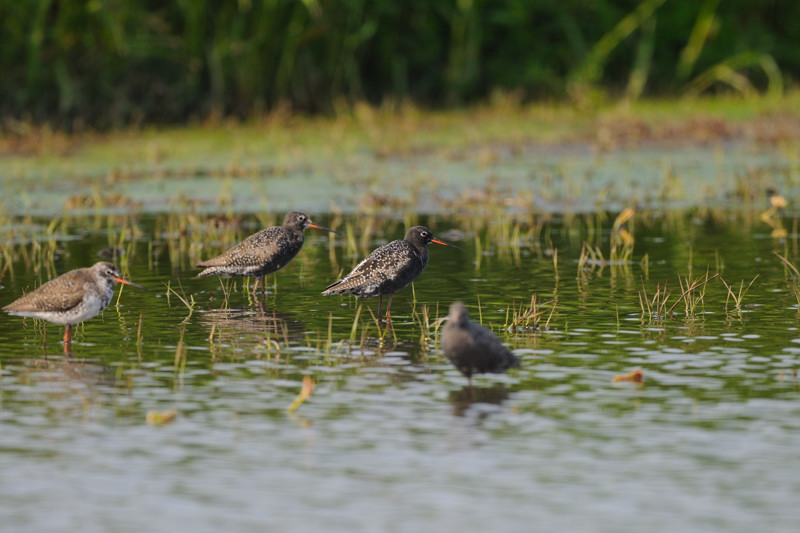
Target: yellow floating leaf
x=155, y=418
x=636, y=376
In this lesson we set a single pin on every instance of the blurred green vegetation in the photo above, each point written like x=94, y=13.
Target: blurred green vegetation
x=113, y=63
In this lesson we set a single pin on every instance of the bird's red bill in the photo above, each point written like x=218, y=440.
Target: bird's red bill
x=323, y=228
x=437, y=241
x=126, y=282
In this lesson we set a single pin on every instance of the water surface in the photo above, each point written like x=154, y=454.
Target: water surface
x=391, y=438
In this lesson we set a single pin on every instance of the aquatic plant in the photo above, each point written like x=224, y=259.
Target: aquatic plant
x=622, y=240
x=794, y=276
x=306, y=390
x=530, y=318
x=188, y=302
x=655, y=307
x=737, y=296
x=693, y=294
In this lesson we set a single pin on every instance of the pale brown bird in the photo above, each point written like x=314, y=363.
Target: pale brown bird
x=71, y=298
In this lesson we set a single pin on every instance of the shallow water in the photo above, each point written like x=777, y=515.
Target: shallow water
x=392, y=439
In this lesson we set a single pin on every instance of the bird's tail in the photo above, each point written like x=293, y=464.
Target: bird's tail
x=207, y=272
x=333, y=288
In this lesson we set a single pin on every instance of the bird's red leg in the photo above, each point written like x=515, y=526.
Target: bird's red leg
x=67, y=337
x=389, y=310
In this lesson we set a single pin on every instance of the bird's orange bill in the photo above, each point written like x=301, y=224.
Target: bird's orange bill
x=126, y=282
x=437, y=241
x=323, y=228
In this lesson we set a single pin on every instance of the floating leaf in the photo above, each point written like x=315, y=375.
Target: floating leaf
x=635, y=376
x=155, y=418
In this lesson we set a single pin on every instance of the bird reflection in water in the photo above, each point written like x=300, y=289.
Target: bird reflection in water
x=245, y=325
x=468, y=397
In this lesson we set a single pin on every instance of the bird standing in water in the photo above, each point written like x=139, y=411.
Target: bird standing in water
x=264, y=252
x=72, y=298
x=471, y=347
x=389, y=268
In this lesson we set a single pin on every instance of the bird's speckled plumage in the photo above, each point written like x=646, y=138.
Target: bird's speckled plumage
x=471, y=347
x=264, y=252
x=71, y=298
x=389, y=268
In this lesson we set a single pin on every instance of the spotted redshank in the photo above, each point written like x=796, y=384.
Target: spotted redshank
x=389, y=268
x=264, y=252
x=471, y=347
x=71, y=298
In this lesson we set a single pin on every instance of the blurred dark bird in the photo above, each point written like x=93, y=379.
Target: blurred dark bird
x=471, y=347
x=389, y=268
x=72, y=298
x=264, y=252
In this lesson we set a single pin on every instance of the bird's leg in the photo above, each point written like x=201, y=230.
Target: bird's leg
x=380, y=300
x=389, y=311
x=263, y=284
x=67, y=337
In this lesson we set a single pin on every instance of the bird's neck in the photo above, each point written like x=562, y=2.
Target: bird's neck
x=423, y=255
x=296, y=233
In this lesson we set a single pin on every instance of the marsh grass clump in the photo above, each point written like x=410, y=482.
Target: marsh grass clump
x=737, y=296
x=188, y=234
x=692, y=294
x=622, y=240
x=590, y=260
x=423, y=319
x=654, y=307
x=530, y=318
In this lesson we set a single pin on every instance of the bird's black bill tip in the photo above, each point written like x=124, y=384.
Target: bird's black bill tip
x=323, y=228
x=132, y=284
x=437, y=241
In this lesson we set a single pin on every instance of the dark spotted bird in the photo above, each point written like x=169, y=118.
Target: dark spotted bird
x=471, y=347
x=389, y=268
x=264, y=252
x=72, y=298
